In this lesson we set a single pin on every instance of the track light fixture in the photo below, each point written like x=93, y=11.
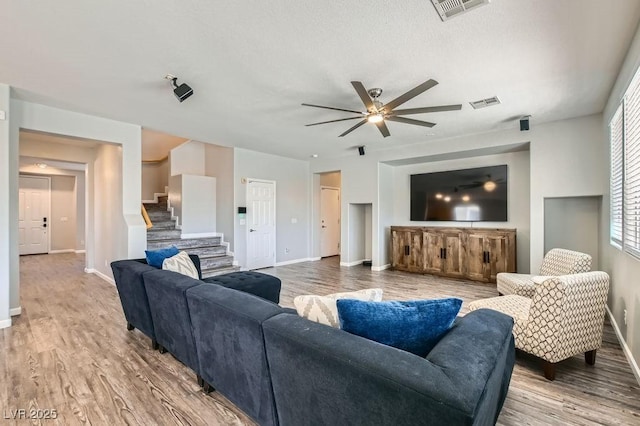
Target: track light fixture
x=182, y=91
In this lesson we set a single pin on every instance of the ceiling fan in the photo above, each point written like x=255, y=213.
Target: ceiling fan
x=378, y=113
x=488, y=184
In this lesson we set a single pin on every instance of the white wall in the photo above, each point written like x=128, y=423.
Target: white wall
x=111, y=244
x=368, y=231
x=383, y=217
x=219, y=164
x=357, y=230
x=62, y=221
x=573, y=223
x=155, y=177
x=6, y=247
x=623, y=268
x=518, y=195
x=187, y=159
x=293, y=190
x=30, y=116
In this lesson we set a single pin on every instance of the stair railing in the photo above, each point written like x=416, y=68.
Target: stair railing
x=146, y=218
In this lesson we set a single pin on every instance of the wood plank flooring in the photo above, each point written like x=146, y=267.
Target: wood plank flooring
x=70, y=351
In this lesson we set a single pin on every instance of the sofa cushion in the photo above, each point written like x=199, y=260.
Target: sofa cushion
x=262, y=285
x=414, y=326
x=323, y=309
x=182, y=264
x=156, y=257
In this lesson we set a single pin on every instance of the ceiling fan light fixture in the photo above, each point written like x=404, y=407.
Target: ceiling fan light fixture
x=489, y=186
x=375, y=118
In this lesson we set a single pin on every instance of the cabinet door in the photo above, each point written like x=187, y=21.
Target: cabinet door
x=475, y=257
x=432, y=249
x=407, y=250
x=496, y=245
x=454, y=255
x=415, y=257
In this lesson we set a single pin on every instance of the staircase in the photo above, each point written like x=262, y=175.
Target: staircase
x=212, y=252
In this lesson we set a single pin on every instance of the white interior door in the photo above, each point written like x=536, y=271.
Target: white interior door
x=261, y=224
x=329, y=221
x=33, y=214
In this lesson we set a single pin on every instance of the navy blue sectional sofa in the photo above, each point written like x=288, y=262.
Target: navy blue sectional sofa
x=281, y=369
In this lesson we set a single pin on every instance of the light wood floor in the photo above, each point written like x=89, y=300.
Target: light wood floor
x=70, y=351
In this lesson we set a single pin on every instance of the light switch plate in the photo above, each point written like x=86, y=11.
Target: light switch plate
x=3, y=115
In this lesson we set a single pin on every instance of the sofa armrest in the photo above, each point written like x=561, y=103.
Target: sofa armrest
x=363, y=382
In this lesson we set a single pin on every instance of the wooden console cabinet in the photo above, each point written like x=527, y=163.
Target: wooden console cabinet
x=475, y=253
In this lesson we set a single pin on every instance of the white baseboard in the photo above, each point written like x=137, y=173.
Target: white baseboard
x=625, y=348
x=314, y=259
x=291, y=262
x=62, y=251
x=101, y=275
x=354, y=263
x=5, y=323
x=200, y=235
x=155, y=200
x=380, y=268
x=15, y=311
x=80, y=251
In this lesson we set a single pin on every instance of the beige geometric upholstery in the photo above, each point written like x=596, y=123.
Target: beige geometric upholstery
x=556, y=262
x=564, y=318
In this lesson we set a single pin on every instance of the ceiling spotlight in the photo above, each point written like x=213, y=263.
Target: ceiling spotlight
x=375, y=118
x=41, y=165
x=439, y=196
x=182, y=91
x=314, y=155
x=447, y=198
x=465, y=198
x=489, y=186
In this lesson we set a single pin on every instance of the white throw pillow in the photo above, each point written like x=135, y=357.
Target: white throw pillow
x=182, y=264
x=323, y=309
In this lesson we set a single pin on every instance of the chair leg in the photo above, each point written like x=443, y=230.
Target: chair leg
x=549, y=370
x=130, y=326
x=590, y=357
x=154, y=345
x=200, y=380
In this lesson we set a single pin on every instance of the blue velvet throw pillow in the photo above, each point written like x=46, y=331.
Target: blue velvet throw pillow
x=156, y=257
x=414, y=326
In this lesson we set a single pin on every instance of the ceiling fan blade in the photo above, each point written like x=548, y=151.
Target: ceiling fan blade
x=383, y=129
x=410, y=121
x=362, y=92
x=360, y=123
x=410, y=94
x=332, y=121
x=335, y=109
x=427, y=109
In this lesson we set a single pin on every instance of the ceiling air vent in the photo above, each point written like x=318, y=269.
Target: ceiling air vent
x=483, y=103
x=447, y=9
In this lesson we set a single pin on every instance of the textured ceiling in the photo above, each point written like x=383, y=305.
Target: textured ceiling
x=252, y=63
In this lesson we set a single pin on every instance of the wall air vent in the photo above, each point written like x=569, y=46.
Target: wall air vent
x=483, y=103
x=448, y=9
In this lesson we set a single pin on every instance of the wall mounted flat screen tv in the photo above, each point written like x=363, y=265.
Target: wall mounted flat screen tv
x=469, y=195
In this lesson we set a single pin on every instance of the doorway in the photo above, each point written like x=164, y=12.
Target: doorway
x=34, y=198
x=261, y=223
x=329, y=221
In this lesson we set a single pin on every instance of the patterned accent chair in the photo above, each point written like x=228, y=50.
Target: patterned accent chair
x=564, y=318
x=556, y=262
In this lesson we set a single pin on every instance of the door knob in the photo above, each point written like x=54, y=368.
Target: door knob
x=323, y=226
x=44, y=225
x=252, y=230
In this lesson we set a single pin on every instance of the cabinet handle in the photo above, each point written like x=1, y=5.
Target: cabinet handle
x=444, y=251
x=441, y=255
x=406, y=250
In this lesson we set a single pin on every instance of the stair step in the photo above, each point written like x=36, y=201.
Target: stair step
x=162, y=234
x=168, y=224
x=209, y=251
x=207, y=273
x=215, y=262
x=186, y=244
x=157, y=216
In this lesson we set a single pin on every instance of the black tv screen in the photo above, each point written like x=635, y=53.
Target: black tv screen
x=469, y=195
